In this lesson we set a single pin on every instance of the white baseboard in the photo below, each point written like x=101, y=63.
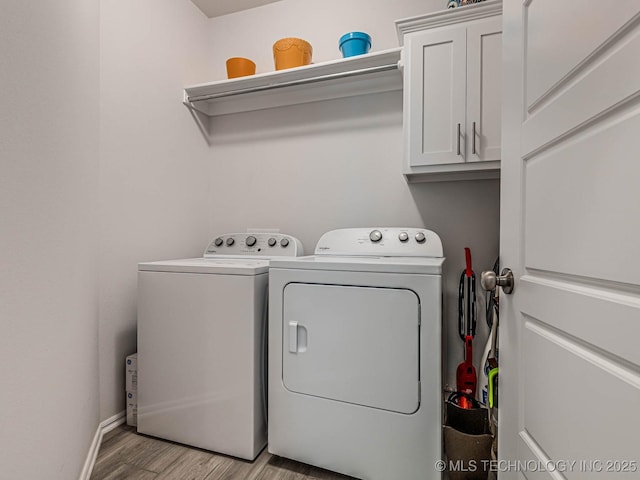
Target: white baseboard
x=105, y=427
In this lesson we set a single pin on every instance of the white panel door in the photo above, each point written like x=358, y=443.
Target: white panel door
x=353, y=344
x=435, y=83
x=570, y=224
x=484, y=90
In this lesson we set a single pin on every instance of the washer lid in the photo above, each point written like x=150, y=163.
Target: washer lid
x=428, y=266
x=219, y=266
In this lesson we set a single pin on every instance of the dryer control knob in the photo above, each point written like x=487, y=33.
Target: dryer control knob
x=375, y=236
x=420, y=238
x=272, y=242
x=230, y=241
x=218, y=242
x=250, y=241
x=403, y=236
x=284, y=242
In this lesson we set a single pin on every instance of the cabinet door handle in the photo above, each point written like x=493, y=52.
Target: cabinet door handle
x=473, y=144
x=459, y=139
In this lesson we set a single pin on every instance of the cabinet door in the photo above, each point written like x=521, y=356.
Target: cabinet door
x=435, y=91
x=484, y=90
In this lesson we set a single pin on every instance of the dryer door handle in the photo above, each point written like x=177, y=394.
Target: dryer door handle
x=297, y=338
x=293, y=337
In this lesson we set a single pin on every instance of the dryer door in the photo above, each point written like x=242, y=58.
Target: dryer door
x=359, y=345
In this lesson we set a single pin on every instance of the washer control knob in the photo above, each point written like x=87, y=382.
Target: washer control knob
x=272, y=242
x=375, y=236
x=403, y=236
x=420, y=238
x=230, y=241
x=218, y=242
x=284, y=242
x=250, y=241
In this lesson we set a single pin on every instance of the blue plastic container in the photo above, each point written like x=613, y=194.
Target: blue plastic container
x=354, y=43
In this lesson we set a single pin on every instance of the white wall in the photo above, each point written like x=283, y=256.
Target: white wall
x=48, y=185
x=252, y=33
x=311, y=168
x=153, y=181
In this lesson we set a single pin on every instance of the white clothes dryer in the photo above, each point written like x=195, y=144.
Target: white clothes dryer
x=202, y=344
x=355, y=371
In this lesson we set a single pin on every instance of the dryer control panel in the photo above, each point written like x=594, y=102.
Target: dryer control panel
x=380, y=242
x=254, y=244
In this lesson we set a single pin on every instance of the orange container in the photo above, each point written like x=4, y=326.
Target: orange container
x=240, y=67
x=291, y=52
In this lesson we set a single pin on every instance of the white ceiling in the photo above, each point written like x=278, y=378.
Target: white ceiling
x=215, y=8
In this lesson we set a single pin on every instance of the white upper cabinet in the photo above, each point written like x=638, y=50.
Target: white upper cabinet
x=484, y=90
x=452, y=92
x=435, y=106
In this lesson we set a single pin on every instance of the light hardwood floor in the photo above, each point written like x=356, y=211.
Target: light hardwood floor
x=125, y=455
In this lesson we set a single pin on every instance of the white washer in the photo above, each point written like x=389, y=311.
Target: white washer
x=355, y=370
x=202, y=341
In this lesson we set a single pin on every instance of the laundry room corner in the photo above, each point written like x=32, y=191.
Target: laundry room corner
x=152, y=192
x=319, y=239
x=318, y=166
x=465, y=214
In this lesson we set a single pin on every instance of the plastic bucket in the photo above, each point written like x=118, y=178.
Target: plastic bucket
x=291, y=52
x=240, y=67
x=467, y=442
x=470, y=455
x=354, y=43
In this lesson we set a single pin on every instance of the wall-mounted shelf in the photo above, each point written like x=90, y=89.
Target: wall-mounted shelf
x=372, y=73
